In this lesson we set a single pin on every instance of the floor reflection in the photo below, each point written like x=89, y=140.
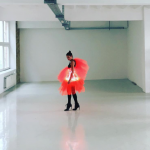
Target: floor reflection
x=7, y=122
x=4, y=130
x=73, y=136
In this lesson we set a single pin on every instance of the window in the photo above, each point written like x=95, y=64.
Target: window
x=4, y=46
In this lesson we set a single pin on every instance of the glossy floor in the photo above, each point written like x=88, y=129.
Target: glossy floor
x=114, y=115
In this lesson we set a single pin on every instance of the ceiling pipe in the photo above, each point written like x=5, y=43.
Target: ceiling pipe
x=92, y=28
x=59, y=15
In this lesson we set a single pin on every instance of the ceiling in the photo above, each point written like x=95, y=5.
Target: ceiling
x=81, y=2
x=41, y=12
x=38, y=12
x=75, y=10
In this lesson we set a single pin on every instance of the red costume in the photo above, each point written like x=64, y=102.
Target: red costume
x=77, y=81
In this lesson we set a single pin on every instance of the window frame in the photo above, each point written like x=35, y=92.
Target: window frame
x=5, y=44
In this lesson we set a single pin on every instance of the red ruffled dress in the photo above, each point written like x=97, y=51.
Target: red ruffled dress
x=77, y=80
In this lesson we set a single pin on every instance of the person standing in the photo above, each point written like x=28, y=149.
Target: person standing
x=72, y=79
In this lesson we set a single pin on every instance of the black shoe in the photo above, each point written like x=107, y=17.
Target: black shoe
x=76, y=106
x=68, y=107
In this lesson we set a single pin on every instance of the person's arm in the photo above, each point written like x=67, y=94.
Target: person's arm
x=72, y=68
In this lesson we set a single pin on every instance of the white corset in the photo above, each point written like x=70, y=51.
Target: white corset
x=74, y=76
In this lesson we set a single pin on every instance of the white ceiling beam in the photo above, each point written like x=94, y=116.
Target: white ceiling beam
x=26, y=13
x=103, y=2
x=104, y=13
x=81, y=2
x=39, y=24
x=21, y=1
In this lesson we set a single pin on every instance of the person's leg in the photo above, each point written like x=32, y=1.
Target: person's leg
x=75, y=98
x=69, y=99
x=74, y=94
x=69, y=103
x=69, y=94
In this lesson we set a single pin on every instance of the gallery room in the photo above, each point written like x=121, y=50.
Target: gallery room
x=74, y=75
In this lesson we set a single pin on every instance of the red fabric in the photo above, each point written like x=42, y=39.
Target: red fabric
x=81, y=69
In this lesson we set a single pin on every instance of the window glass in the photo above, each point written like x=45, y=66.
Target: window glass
x=6, y=57
x=6, y=30
x=1, y=31
x=1, y=57
x=4, y=46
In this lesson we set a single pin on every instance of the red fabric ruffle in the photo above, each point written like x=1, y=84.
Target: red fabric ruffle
x=81, y=69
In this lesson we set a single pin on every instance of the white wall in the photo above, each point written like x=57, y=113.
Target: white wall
x=136, y=67
x=43, y=53
x=147, y=48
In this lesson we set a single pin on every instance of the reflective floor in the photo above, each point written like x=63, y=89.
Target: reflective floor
x=114, y=115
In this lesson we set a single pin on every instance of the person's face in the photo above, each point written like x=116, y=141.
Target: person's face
x=69, y=57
